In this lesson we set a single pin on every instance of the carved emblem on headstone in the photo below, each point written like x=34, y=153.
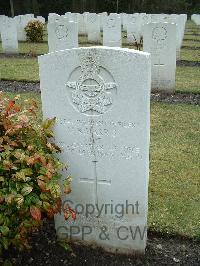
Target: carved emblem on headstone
x=61, y=31
x=91, y=94
x=111, y=23
x=159, y=34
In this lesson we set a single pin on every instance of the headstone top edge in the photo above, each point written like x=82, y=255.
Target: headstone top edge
x=106, y=48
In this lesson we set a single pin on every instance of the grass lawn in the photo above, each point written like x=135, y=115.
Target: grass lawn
x=174, y=195
x=174, y=192
x=192, y=37
x=191, y=43
x=188, y=79
x=31, y=48
x=19, y=69
x=190, y=55
x=26, y=69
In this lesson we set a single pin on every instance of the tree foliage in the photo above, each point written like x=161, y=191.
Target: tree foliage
x=129, y=6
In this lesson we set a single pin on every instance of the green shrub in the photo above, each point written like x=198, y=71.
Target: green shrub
x=34, y=31
x=29, y=172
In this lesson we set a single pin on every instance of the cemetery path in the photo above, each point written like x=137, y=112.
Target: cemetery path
x=161, y=250
x=20, y=87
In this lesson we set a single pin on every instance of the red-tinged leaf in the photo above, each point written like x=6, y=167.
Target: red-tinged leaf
x=57, y=207
x=10, y=106
x=73, y=215
x=66, y=215
x=42, y=159
x=59, y=204
x=36, y=213
x=67, y=189
x=30, y=160
x=1, y=199
x=31, y=110
x=42, y=185
x=50, y=213
x=17, y=108
x=23, y=118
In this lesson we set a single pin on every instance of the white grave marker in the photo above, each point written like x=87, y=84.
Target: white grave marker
x=9, y=36
x=93, y=28
x=21, y=22
x=101, y=98
x=160, y=40
x=112, y=31
x=62, y=34
x=133, y=28
x=41, y=19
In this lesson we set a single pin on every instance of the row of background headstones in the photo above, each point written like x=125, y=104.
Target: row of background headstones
x=158, y=37
x=12, y=30
x=196, y=19
x=91, y=24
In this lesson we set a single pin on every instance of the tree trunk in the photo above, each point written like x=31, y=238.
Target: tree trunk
x=35, y=5
x=12, y=8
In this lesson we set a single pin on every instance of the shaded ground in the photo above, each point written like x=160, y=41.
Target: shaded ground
x=161, y=250
x=190, y=98
x=192, y=34
x=190, y=47
x=19, y=55
x=188, y=63
x=193, y=40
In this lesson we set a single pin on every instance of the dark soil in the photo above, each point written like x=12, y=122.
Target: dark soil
x=188, y=63
x=193, y=28
x=191, y=47
x=186, y=39
x=192, y=34
x=189, y=98
x=161, y=250
x=20, y=55
x=18, y=86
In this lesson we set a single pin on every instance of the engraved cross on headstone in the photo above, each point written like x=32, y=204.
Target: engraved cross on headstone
x=95, y=180
x=159, y=65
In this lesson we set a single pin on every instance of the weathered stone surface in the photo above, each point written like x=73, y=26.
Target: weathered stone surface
x=101, y=98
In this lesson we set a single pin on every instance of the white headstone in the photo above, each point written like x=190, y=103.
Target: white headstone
x=196, y=19
x=179, y=31
x=81, y=24
x=52, y=17
x=159, y=40
x=124, y=18
x=41, y=19
x=72, y=16
x=93, y=28
x=21, y=22
x=2, y=21
x=133, y=28
x=101, y=98
x=102, y=19
x=62, y=34
x=9, y=36
x=112, y=31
